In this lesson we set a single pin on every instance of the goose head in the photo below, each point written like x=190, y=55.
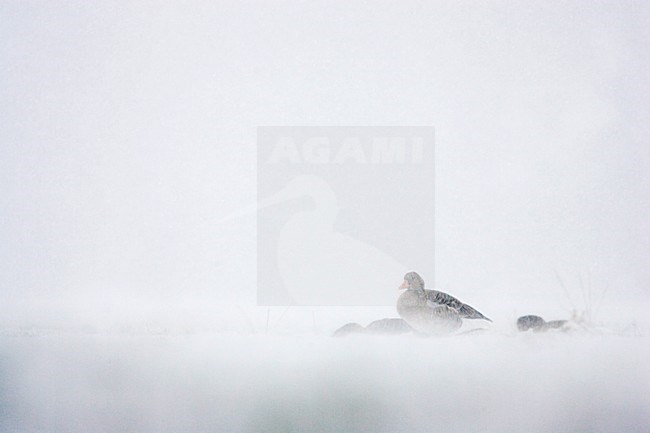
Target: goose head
x=412, y=281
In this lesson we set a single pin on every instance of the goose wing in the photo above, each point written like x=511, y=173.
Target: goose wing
x=435, y=297
x=470, y=313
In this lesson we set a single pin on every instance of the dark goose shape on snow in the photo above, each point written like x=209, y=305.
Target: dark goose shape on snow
x=537, y=324
x=388, y=326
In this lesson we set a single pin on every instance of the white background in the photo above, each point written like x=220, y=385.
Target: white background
x=127, y=131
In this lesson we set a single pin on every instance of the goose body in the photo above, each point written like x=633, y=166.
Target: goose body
x=388, y=326
x=537, y=324
x=431, y=311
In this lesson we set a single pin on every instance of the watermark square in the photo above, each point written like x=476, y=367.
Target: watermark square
x=343, y=212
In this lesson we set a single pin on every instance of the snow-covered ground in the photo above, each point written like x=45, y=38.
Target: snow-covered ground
x=282, y=377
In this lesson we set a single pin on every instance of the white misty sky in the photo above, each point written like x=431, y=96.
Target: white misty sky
x=128, y=130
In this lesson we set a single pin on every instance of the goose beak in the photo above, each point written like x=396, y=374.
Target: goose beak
x=405, y=285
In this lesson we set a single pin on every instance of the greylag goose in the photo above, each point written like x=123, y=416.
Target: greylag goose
x=378, y=327
x=537, y=324
x=431, y=311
